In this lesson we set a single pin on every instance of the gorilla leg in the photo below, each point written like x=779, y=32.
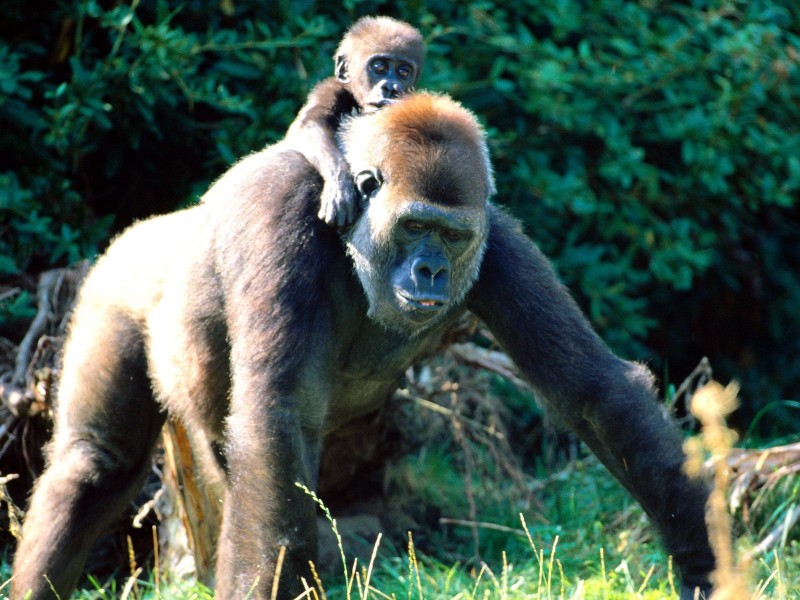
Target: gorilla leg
x=106, y=426
x=264, y=510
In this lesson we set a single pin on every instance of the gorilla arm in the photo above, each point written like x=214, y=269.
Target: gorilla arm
x=608, y=402
x=312, y=133
x=273, y=258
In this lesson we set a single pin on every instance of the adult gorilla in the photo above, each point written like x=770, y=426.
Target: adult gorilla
x=262, y=329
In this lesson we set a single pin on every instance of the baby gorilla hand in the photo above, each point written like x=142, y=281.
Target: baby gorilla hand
x=340, y=202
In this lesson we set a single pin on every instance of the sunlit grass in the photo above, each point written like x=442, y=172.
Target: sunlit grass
x=592, y=542
x=582, y=538
x=606, y=555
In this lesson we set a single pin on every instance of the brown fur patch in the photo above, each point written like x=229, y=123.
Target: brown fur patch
x=426, y=145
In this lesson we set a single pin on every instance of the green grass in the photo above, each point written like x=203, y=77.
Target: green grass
x=587, y=539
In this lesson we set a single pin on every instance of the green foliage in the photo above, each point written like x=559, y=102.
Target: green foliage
x=651, y=147
x=32, y=233
x=128, y=112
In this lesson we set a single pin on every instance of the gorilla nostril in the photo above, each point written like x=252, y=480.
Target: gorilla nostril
x=429, y=272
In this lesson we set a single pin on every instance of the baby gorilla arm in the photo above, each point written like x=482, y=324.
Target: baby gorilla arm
x=378, y=61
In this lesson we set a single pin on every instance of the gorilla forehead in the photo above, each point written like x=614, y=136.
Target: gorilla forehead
x=448, y=183
x=442, y=213
x=425, y=144
x=433, y=166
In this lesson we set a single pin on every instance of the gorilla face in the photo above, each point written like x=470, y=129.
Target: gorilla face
x=425, y=182
x=416, y=259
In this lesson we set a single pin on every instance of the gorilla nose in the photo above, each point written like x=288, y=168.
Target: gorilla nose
x=390, y=89
x=430, y=274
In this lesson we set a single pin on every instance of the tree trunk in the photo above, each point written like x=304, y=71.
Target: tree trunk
x=198, y=504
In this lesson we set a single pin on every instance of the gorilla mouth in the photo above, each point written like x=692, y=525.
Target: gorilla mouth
x=428, y=304
x=383, y=102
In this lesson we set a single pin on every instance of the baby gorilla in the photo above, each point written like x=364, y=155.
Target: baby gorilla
x=378, y=60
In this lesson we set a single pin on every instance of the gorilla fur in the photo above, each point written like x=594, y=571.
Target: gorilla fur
x=261, y=328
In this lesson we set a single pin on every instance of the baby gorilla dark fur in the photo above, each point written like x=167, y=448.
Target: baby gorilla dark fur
x=262, y=329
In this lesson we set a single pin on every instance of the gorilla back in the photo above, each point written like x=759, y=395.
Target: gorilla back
x=262, y=329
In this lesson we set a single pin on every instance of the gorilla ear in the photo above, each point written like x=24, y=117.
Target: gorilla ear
x=341, y=70
x=369, y=182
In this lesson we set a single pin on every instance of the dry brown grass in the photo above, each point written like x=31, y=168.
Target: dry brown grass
x=711, y=404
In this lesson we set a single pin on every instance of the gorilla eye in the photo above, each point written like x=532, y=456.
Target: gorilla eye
x=369, y=182
x=415, y=226
x=379, y=66
x=404, y=71
x=451, y=235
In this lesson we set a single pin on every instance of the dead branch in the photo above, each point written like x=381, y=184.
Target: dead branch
x=491, y=360
x=47, y=284
x=775, y=535
x=26, y=390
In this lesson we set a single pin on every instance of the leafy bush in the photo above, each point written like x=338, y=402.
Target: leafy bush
x=651, y=147
x=128, y=113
